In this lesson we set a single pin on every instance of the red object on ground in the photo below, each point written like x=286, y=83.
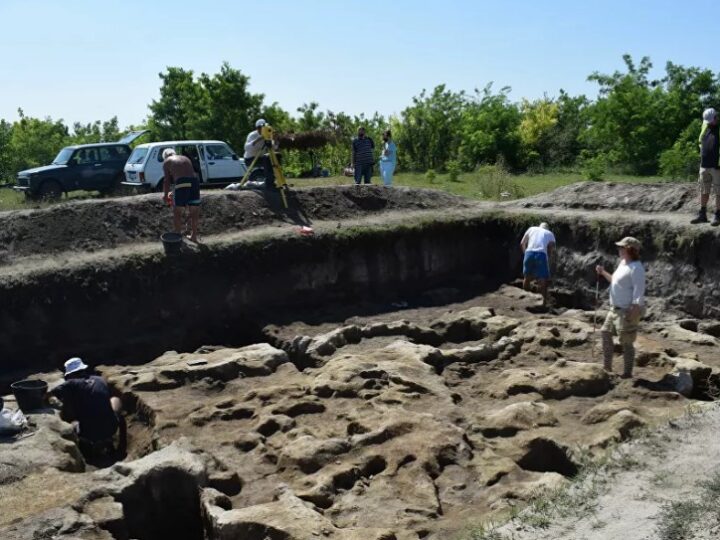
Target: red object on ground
x=306, y=231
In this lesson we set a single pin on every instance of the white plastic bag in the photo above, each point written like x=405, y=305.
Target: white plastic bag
x=11, y=421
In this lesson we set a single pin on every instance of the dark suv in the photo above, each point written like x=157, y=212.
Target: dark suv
x=94, y=167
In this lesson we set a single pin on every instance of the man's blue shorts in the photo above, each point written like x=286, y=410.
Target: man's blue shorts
x=186, y=192
x=535, y=264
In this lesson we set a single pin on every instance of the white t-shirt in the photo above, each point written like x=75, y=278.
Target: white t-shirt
x=251, y=148
x=628, y=285
x=538, y=239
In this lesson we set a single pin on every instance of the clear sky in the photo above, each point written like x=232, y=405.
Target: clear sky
x=85, y=60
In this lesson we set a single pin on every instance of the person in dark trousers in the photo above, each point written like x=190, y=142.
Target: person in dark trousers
x=87, y=402
x=709, y=179
x=362, y=157
x=180, y=174
x=256, y=145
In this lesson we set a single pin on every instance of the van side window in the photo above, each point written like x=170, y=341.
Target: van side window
x=110, y=153
x=160, y=153
x=218, y=151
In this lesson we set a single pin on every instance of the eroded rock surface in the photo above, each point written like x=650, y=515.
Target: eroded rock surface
x=397, y=426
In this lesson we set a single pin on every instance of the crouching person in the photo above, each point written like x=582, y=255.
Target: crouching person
x=86, y=401
x=627, y=304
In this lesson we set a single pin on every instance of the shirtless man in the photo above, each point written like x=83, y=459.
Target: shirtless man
x=179, y=172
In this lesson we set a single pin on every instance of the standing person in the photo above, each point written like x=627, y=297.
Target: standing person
x=627, y=300
x=361, y=156
x=254, y=146
x=538, y=245
x=709, y=178
x=87, y=401
x=388, y=158
x=179, y=172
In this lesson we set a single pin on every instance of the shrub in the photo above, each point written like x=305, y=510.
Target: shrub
x=681, y=161
x=430, y=175
x=494, y=182
x=453, y=169
x=594, y=168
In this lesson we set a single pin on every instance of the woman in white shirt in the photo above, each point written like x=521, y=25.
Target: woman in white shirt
x=627, y=303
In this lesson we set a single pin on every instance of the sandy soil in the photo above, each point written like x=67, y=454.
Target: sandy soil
x=669, y=468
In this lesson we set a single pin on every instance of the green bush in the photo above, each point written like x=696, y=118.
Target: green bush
x=430, y=175
x=594, y=168
x=494, y=182
x=453, y=169
x=680, y=162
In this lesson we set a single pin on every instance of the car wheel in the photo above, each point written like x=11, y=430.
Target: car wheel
x=50, y=190
x=159, y=186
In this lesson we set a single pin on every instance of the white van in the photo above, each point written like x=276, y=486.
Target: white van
x=214, y=162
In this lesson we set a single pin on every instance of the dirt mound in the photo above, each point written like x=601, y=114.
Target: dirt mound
x=92, y=225
x=612, y=196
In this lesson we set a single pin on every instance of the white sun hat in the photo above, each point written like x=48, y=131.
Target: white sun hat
x=73, y=365
x=709, y=114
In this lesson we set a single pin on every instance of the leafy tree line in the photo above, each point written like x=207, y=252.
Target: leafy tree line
x=636, y=125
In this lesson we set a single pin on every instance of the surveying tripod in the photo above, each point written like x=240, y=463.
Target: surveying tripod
x=280, y=182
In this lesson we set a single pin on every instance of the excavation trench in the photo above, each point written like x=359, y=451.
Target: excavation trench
x=129, y=310
x=419, y=384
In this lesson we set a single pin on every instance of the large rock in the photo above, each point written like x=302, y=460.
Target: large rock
x=560, y=380
x=288, y=518
x=50, y=442
x=507, y=421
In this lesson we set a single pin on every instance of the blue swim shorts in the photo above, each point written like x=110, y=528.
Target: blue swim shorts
x=535, y=264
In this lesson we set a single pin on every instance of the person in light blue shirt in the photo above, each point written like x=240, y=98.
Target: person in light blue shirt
x=388, y=158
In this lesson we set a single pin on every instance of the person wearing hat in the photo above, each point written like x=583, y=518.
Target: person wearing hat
x=537, y=245
x=709, y=178
x=86, y=401
x=254, y=147
x=627, y=303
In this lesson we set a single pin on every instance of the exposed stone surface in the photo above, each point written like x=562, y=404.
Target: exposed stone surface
x=49, y=442
x=560, y=380
x=385, y=427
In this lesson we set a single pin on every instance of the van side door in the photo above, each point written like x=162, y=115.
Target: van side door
x=222, y=163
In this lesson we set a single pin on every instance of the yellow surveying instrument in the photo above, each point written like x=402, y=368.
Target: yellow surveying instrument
x=268, y=133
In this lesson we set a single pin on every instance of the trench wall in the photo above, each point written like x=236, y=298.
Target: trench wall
x=134, y=309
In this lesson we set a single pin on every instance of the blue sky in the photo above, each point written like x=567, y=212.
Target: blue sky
x=85, y=60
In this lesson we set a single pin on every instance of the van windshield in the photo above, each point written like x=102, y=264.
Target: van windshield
x=63, y=156
x=138, y=155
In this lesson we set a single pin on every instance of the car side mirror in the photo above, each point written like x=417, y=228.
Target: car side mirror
x=235, y=157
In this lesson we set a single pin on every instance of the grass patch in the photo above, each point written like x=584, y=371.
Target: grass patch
x=677, y=519
x=15, y=200
x=487, y=183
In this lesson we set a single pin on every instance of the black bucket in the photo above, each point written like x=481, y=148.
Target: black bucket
x=172, y=242
x=30, y=395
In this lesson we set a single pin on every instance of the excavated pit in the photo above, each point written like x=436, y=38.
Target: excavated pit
x=384, y=378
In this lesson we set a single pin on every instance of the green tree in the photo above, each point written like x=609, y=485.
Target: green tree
x=428, y=132
x=310, y=117
x=228, y=111
x=563, y=144
x=35, y=142
x=628, y=122
x=178, y=113
x=539, y=119
x=6, y=171
x=97, y=131
x=489, y=129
